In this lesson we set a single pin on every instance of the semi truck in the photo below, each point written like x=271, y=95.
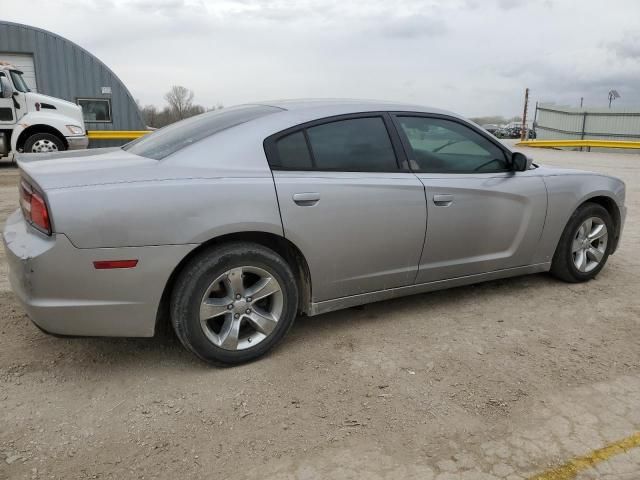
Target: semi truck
x=31, y=122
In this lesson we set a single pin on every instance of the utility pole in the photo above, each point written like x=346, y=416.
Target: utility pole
x=523, y=131
x=581, y=100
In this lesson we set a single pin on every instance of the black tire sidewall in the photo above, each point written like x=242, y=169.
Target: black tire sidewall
x=564, y=249
x=28, y=144
x=195, y=279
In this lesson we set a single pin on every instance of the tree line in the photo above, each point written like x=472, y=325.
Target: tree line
x=180, y=105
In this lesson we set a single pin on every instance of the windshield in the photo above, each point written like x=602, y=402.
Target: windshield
x=18, y=81
x=174, y=137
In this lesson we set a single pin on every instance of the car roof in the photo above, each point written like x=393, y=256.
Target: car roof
x=338, y=106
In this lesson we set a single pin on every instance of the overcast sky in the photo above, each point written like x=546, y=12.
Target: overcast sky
x=471, y=56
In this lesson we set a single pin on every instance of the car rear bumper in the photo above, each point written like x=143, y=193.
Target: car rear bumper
x=78, y=142
x=64, y=294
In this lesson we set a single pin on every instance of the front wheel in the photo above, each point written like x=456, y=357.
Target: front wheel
x=585, y=244
x=233, y=303
x=43, y=143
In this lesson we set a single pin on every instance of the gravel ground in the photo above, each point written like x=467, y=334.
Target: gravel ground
x=499, y=380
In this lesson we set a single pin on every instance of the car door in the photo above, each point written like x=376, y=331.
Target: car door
x=482, y=215
x=358, y=219
x=7, y=110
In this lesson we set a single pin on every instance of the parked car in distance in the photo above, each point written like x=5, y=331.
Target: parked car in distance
x=491, y=128
x=514, y=130
x=232, y=223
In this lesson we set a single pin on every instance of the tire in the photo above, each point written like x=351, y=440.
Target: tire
x=209, y=283
x=43, y=142
x=563, y=265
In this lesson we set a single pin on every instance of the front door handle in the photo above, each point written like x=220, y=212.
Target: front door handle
x=443, y=200
x=308, y=199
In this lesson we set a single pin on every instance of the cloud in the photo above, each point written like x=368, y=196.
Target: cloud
x=471, y=56
x=510, y=4
x=627, y=47
x=412, y=27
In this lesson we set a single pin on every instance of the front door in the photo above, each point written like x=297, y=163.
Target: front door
x=482, y=216
x=358, y=219
x=7, y=110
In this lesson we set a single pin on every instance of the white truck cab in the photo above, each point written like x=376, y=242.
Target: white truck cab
x=31, y=122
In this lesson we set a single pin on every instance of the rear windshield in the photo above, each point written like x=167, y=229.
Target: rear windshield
x=174, y=137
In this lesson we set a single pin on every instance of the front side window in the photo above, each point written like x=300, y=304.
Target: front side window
x=174, y=137
x=96, y=109
x=439, y=145
x=358, y=144
x=18, y=81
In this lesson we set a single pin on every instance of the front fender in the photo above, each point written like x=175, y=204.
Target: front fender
x=56, y=121
x=565, y=194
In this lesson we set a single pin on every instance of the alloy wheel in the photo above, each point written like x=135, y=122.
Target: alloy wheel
x=241, y=308
x=589, y=244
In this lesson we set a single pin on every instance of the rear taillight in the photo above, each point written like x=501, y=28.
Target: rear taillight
x=34, y=208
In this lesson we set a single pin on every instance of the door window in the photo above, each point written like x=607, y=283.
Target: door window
x=350, y=145
x=6, y=112
x=293, y=153
x=439, y=145
x=357, y=144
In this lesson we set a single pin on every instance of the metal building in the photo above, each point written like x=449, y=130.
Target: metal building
x=55, y=66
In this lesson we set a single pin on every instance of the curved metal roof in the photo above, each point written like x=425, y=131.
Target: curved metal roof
x=68, y=71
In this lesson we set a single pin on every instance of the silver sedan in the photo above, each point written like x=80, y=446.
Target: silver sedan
x=230, y=224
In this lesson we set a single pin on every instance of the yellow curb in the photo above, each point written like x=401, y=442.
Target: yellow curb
x=571, y=469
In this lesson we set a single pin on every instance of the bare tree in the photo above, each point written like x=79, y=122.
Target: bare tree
x=150, y=114
x=180, y=100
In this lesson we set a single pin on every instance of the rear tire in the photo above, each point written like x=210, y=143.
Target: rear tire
x=43, y=143
x=233, y=303
x=585, y=244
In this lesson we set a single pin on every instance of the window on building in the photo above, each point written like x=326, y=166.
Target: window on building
x=96, y=109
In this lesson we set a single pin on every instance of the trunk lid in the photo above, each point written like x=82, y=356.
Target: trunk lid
x=85, y=167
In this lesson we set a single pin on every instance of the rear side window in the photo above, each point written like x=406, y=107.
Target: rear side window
x=350, y=145
x=358, y=144
x=293, y=153
x=174, y=137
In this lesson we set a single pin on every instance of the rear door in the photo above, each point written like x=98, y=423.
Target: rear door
x=357, y=217
x=482, y=216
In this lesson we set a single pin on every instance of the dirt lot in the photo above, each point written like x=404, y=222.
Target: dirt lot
x=499, y=380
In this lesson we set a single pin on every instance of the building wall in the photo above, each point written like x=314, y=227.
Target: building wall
x=66, y=70
x=555, y=122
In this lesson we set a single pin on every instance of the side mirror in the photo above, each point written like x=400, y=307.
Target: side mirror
x=520, y=162
x=7, y=89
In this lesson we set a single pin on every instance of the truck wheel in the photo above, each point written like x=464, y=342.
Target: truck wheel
x=43, y=143
x=233, y=303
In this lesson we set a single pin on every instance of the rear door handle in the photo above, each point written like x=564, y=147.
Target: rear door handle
x=443, y=200
x=308, y=199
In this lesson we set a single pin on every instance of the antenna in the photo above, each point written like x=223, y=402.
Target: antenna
x=613, y=94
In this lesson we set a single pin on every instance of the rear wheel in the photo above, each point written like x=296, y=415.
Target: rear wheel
x=585, y=244
x=233, y=303
x=43, y=143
